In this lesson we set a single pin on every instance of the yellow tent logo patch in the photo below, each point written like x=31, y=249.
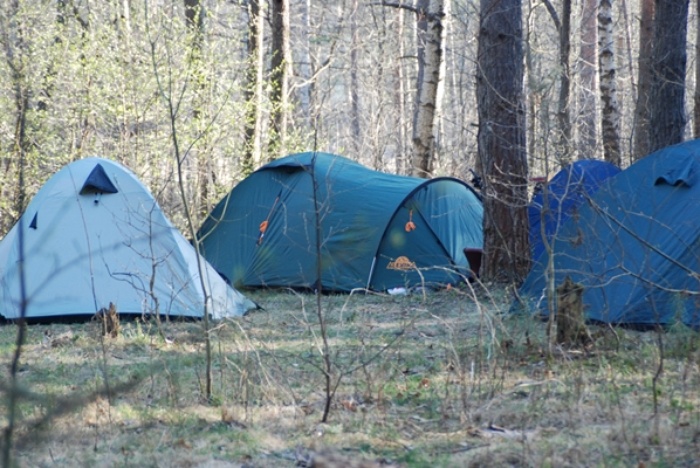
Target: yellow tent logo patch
x=401, y=263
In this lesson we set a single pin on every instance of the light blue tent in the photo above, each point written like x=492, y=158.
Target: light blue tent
x=93, y=235
x=560, y=198
x=634, y=245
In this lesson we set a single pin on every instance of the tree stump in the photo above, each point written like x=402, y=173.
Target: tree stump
x=571, y=326
x=109, y=319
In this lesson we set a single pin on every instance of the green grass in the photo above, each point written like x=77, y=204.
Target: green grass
x=424, y=381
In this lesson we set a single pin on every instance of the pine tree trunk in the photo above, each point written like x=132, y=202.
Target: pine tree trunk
x=587, y=115
x=667, y=117
x=608, y=87
x=501, y=141
x=641, y=111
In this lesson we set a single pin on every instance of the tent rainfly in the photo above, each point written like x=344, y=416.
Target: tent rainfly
x=560, y=198
x=94, y=235
x=633, y=246
x=370, y=229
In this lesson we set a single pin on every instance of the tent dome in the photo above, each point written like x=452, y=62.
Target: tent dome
x=92, y=235
x=372, y=230
x=560, y=198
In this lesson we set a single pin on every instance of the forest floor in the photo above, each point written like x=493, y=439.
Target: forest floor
x=439, y=379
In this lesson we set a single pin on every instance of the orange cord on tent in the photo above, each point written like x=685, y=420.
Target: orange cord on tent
x=410, y=225
x=264, y=224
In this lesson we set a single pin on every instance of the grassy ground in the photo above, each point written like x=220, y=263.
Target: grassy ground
x=445, y=379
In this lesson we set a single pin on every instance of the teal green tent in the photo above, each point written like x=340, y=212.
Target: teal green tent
x=373, y=230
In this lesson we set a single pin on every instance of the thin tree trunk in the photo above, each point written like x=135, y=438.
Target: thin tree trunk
x=587, y=119
x=194, y=18
x=399, y=97
x=254, y=90
x=563, y=116
x=608, y=88
x=431, y=39
x=279, y=76
x=501, y=141
x=644, y=78
x=354, y=80
x=302, y=61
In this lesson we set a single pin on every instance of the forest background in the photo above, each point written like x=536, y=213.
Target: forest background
x=235, y=84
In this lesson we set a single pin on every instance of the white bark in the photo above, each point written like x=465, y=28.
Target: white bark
x=608, y=88
x=431, y=75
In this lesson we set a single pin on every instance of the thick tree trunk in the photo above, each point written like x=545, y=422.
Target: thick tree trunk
x=501, y=141
x=608, y=87
x=587, y=115
x=254, y=91
x=667, y=117
x=644, y=76
x=431, y=38
x=696, y=97
x=279, y=76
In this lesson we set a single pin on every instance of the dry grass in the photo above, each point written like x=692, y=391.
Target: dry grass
x=436, y=380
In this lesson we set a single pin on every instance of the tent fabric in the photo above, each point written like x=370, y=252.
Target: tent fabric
x=375, y=230
x=634, y=245
x=96, y=247
x=560, y=198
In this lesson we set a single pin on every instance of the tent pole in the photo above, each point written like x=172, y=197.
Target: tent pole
x=371, y=271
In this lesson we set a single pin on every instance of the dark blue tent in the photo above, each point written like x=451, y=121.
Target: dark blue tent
x=560, y=198
x=634, y=245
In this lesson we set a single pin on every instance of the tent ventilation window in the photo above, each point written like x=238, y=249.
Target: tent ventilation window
x=98, y=183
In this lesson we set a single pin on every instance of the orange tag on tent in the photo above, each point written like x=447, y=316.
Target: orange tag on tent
x=410, y=225
x=263, y=227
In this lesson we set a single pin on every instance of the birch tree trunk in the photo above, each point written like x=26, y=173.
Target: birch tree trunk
x=254, y=91
x=667, y=105
x=279, y=76
x=399, y=97
x=431, y=38
x=587, y=115
x=644, y=77
x=608, y=89
x=502, y=156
